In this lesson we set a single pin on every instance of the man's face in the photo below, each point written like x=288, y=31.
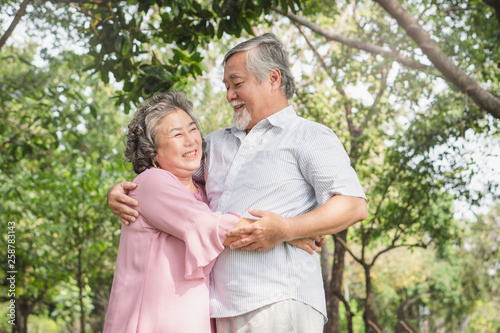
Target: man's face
x=245, y=94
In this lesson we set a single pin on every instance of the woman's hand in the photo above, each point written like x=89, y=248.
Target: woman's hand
x=243, y=221
x=119, y=202
x=310, y=245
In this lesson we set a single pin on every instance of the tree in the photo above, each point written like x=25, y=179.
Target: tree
x=58, y=166
x=124, y=44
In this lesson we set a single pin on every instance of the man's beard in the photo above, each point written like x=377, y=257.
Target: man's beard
x=241, y=119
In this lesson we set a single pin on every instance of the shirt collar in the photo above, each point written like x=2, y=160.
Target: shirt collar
x=283, y=117
x=279, y=119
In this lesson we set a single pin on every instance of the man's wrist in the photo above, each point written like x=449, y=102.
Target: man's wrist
x=291, y=232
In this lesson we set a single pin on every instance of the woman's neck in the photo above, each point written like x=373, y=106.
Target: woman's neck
x=189, y=184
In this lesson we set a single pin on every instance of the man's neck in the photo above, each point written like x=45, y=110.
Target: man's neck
x=268, y=115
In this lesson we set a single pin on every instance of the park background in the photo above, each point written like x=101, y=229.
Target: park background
x=411, y=87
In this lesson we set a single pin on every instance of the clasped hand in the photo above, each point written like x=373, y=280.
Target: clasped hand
x=271, y=230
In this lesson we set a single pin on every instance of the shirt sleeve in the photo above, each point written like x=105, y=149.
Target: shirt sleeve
x=168, y=206
x=326, y=166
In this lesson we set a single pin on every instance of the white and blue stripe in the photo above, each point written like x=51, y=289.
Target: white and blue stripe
x=287, y=165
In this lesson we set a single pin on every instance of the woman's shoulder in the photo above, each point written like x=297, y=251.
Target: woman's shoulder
x=156, y=176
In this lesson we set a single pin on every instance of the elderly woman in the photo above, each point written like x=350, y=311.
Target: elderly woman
x=164, y=259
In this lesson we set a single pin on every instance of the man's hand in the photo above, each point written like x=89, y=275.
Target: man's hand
x=119, y=202
x=262, y=235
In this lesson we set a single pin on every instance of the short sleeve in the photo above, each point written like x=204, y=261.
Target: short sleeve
x=166, y=205
x=326, y=166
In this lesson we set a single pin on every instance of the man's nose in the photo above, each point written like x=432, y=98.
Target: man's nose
x=230, y=94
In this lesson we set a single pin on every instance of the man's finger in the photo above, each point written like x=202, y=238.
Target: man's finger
x=257, y=213
x=129, y=185
x=125, y=199
x=124, y=221
x=321, y=242
x=128, y=217
x=310, y=247
x=128, y=212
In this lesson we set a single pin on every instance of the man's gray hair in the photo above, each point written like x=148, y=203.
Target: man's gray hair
x=142, y=133
x=264, y=54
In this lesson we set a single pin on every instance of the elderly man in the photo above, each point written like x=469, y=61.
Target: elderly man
x=295, y=172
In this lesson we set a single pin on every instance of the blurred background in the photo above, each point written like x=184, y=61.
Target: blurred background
x=411, y=87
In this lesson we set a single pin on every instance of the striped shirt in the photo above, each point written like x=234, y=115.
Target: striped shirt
x=287, y=165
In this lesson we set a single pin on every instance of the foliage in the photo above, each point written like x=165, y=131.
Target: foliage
x=151, y=45
x=451, y=284
x=60, y=159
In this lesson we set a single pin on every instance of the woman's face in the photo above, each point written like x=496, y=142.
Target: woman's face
x=179, y=144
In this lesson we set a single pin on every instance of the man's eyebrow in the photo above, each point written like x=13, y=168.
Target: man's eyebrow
x=232, y=76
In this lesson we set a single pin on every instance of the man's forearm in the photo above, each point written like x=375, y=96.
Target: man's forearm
x=337, y=214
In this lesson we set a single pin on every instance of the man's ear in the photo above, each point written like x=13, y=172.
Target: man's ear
x=275, y=78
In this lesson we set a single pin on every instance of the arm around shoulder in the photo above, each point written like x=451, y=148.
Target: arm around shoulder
x=119, y=202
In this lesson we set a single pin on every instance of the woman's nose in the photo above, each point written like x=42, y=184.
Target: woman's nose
x=189, y=140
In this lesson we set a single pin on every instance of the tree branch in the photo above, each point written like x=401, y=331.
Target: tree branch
x=370, y=48
x=373, y=108
x=374, y=326
x=14, y=23
x=450, y=71
x=392, y=247
x=354, y=130
x=82, y=2
x=341, y=241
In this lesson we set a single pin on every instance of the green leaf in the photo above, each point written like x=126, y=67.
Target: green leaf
x=126, y=46
x=119, y=44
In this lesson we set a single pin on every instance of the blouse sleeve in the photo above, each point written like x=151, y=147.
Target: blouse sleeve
x=166, y=205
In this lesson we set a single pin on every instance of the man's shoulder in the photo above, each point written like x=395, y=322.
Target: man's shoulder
x=306, y=129
x=311, y=124
x=217, y=134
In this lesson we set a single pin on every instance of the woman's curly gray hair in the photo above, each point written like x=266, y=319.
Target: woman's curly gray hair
x=141, y=138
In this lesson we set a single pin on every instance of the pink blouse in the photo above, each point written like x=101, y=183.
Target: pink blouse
x=165, y=258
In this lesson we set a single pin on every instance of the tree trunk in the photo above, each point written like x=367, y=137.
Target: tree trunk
x=22, y=313
x=370, y=315
x=335, y=287
x=80, y=288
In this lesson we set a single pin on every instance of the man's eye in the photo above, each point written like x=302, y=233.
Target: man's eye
x=194, y=129
x=238, y=84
